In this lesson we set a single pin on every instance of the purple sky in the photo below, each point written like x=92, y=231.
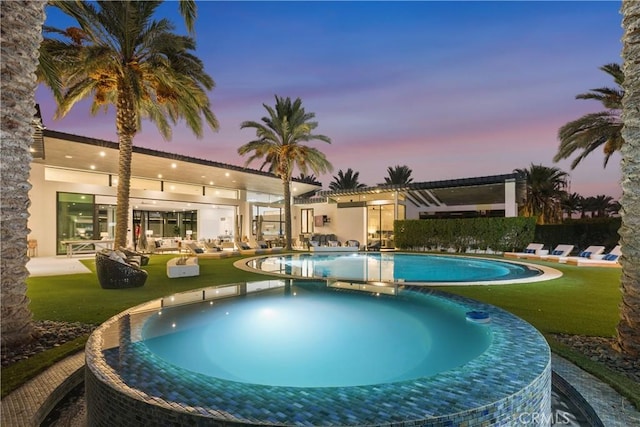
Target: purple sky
x=450, y=89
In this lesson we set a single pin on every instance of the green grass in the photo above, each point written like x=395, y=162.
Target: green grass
x=20, y=372
x=584, y=301
x=79, y=297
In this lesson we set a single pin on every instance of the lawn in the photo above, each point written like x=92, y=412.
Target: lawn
x=584, y=301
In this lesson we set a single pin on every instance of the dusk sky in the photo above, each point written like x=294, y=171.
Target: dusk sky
x=450, y=89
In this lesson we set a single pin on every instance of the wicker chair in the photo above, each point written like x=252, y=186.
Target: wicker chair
x=144, y=259
x=113, y=274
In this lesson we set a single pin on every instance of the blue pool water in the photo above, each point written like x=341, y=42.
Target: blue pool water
x=372, y=359
x=394, y=267
x=311, y=335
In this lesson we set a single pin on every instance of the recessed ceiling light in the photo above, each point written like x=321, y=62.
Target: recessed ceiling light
x=210, y=182
x=159, y=175
x=92, y=167
x=68, y=157
x=202, y=176
x=226, y=174
x=173, y=187
x=173, y=165
x=102, y=154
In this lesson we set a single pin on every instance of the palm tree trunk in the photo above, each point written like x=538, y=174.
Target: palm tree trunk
x=126, y=124
x=628, y=330
x=287, y=213
x=21, y=36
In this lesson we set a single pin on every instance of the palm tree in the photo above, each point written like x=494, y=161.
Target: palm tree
x=309, y=179
x=545, y=189
x=279, y=144
x=595, y=129
x=346, y=181
x=600, y=205
x=398, y=175
x=145, y=72
x=614, y=208
x=21, y=37
x=628, y=329
x=572, y=203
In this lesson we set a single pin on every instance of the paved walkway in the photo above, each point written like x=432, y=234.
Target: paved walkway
x=53, y=266
x=613, y=409
x=30, y=404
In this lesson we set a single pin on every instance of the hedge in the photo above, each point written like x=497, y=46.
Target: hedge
x=580, y=233
x=497, y=234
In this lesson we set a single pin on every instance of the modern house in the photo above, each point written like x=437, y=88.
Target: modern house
x=368, y=214
x=74, y=183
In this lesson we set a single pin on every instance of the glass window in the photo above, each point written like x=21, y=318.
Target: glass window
x=306, y=218
x=380, y=220
x=145, y=184
x=176, y=187
x=75, y=219
x=66, y=175
x=219, y=192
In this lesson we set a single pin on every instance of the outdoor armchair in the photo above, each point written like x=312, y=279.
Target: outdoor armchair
x=115, y=273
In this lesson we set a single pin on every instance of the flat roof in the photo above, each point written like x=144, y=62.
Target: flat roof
x=62, y=150
x=451, y=192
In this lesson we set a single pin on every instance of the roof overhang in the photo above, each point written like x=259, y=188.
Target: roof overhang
x=485, y=190
x=81, y=153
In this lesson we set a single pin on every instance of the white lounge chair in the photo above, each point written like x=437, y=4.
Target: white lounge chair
x=591, y=250
x=531, y=249
x=208, y=253
x=610, y=259
x=558, y=254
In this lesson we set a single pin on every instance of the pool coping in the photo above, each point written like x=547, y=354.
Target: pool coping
x=548, y=273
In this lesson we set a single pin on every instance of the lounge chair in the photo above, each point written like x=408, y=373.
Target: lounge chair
x=531, y=249
x=114, y=272
x=591, y=250
x=560, y=251
x=610, y=259
x=375, y=245
x=262, y=245
x=208, y=253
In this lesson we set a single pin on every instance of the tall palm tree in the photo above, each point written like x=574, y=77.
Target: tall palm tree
x=628, y=329
x=279, y=144
x=595, y=129
x=346, y=181
x=20, y=40
x=545, y=189
x=398, y=175
x=121, y=56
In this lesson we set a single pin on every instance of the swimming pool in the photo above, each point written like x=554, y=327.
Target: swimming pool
x=399, y=267
x=283, y=340
x=508, y=373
